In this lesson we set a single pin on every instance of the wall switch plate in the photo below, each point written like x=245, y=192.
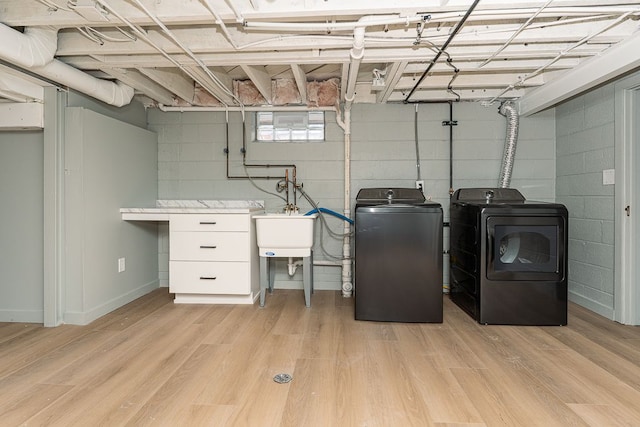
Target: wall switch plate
x=121, y=265
x=608, y=177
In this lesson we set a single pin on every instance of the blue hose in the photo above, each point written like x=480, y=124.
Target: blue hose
x=330, y=212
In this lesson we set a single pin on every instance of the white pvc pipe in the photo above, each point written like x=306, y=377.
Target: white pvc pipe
x=345, y=125
x=247, y=108
x=357, y=53
x=333, y=26
x=327, y=263
x=293, y=266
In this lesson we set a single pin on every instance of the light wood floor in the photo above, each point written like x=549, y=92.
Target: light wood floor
x=153, y=362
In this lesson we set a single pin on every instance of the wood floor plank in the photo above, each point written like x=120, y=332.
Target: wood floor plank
x=9, y=331
x=203, y=416
x=520, y=391
x=24, y=406
x=157, y=363
x=311, y=397
x=395, y=398
x=129, y=314
x=126, y=378
x=294, y=318
x=26, y=348
x=181, y=387
x=224, y=326
x=620, y=367
x=602, y=415
x=25, y=382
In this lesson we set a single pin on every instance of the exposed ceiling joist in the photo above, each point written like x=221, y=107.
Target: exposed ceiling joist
x=614, y=62
x=141, y=83
x=392, y=77
x=199, y=53
x=221, y=93
x=173, y=81
x=260, y=79
x=301, y=81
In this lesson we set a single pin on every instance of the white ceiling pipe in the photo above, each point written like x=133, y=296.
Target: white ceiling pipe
x=365, y=21
x=117, y=94
x=168, y=109
x=34, y=50
x=357, y=52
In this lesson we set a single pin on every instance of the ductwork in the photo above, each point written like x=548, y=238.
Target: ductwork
x=508, y=110
x=34, y=50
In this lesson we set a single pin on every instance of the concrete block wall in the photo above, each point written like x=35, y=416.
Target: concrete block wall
x=585, y=147
x=192, y=163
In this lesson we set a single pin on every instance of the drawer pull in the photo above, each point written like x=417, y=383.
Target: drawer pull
x=207, y=278
x=207, y=223
x=207, y=247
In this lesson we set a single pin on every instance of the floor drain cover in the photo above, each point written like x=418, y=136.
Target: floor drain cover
x=282, y=378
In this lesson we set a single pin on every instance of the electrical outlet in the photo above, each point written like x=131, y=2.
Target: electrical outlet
x=121, y=265
x=420, y=185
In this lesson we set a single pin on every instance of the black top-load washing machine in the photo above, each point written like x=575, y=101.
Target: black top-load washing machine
x=508, y=257
x=398, y=256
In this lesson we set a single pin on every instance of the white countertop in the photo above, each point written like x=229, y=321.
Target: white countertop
x=164, y=208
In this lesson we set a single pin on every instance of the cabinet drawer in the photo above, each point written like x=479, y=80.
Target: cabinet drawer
x=209, y=222
x=209, y=277
x=192, y=246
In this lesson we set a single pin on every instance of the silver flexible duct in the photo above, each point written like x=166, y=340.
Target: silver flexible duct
x=508, y=110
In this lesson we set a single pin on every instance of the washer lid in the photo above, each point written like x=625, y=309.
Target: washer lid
x=488, y=195
x=390, y=195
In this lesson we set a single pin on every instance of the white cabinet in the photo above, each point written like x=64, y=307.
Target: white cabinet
x=213, y=258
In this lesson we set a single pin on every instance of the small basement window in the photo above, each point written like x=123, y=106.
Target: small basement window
x=295, y=126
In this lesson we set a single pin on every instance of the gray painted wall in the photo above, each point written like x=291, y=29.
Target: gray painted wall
x=585, y=137
x=21, y=227
x=191, y=161
x=133, y=113
x=109, y=164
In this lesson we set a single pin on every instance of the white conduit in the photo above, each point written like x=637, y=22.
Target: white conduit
x=508, y=110
x=560, y=56
x=188, y=51
x=515, y=34
x=34, y=50
x=365, y=21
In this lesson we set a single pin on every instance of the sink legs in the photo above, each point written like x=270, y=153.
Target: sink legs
x=267, y=276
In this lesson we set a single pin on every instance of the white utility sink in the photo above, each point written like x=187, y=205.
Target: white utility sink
x=285, y=235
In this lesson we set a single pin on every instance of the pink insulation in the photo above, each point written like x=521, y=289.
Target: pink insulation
x=323, y=94
x=285, y=92
x=203, y=98
x=248, y=93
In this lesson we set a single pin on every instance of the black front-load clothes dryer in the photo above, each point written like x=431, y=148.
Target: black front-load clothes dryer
x=508, y=257
x=398, y=256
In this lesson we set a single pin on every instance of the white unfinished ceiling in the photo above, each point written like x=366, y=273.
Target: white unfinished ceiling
x=225, y=53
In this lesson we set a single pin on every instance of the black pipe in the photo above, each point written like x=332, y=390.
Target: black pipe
x=450, y=149
x=244, y=157
x=443, y=48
